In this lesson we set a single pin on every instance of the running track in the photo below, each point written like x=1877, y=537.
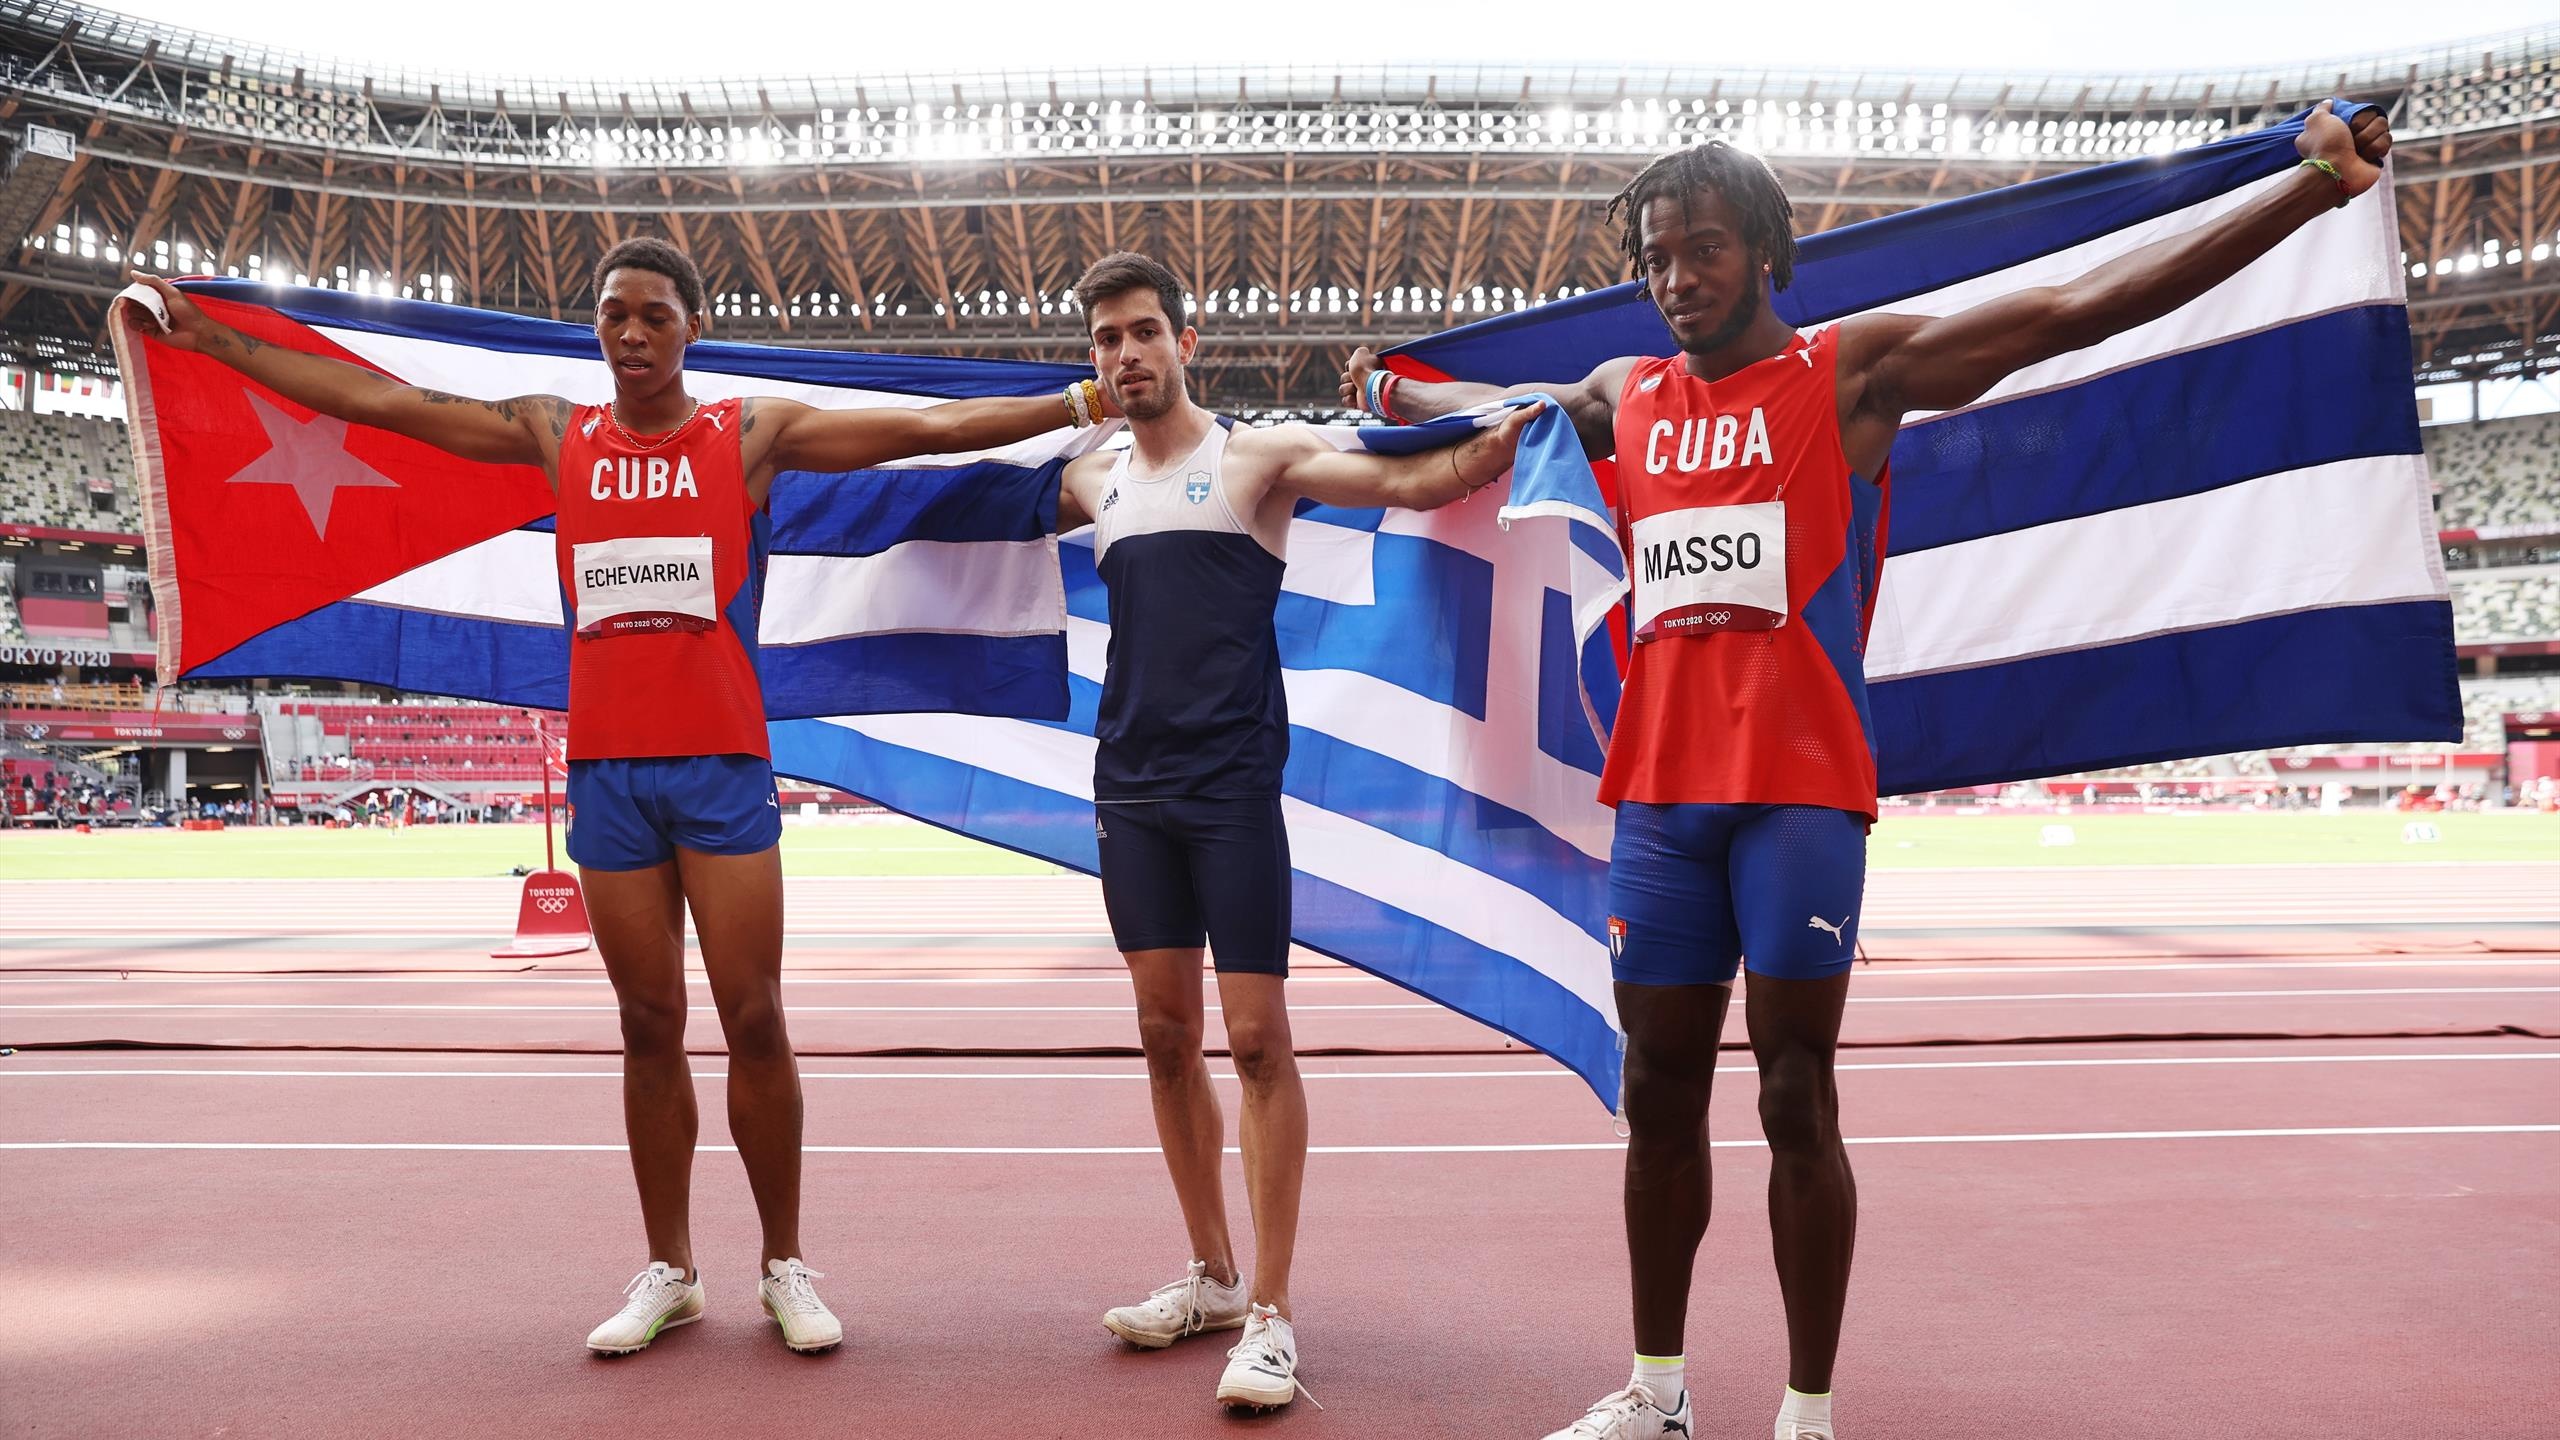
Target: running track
x=379, y=1232
x=1900, y=903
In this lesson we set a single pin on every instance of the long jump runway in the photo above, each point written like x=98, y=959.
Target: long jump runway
x=2302, y=1180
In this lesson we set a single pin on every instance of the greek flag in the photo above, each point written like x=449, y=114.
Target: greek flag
x=1446, y=695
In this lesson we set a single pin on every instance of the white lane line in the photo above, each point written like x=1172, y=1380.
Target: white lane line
x=1128, y=1076
x=504, y=977
x=2032, y=1138
x=2040, y=996
x=441, y=1007
x=2199, y=994
x=1980, y=969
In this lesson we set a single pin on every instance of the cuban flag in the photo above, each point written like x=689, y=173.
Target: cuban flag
x=285, y=543
x=2210, y=533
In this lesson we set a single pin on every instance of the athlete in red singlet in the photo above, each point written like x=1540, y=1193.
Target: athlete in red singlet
x=661, y=541
x=1752, y=480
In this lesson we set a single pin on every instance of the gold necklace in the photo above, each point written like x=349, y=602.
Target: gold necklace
x=613, y=414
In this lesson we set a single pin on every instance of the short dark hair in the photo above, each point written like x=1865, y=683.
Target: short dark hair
x=648, y=252
x=1742, y=178
x=1126, y=271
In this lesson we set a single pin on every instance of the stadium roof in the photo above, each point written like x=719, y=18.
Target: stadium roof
x=1306, y=208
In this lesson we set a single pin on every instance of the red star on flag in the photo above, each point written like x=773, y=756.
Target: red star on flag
x=309, y=455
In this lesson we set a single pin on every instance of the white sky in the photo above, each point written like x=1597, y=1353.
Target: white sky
x=653, y=39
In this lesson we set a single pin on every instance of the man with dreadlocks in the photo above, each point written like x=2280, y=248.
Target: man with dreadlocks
x=1752, y=484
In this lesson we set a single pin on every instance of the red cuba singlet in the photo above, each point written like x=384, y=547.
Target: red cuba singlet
x=1753, y=553
x=662, y=560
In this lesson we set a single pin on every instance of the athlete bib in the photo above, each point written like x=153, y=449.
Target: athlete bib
x=644, y=585
x=1710, y=568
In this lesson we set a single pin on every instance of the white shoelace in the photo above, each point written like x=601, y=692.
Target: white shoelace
x=648, y=1287
x=1257, y=1345
x=1597, y=1420
x=798, y=1296
x=1192, y=1313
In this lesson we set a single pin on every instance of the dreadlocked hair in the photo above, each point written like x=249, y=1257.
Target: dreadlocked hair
x=1745, y=182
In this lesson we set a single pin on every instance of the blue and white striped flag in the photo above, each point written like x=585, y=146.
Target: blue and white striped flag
x=1443, y=766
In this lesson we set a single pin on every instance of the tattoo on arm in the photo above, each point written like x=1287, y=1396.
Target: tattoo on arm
x=751, y=411
x=233, y=342
x=552, y=411
x=510, y=410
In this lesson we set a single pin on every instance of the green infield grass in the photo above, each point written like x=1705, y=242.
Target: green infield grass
x=893, y=847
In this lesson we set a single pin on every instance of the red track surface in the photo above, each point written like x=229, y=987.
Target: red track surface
x=2246, y=1237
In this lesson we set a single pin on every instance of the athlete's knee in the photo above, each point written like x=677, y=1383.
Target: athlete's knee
x=754, y=1027
x=1171, y=1042
x=1665, y=1098
x=653, y=1024
x=1261, y=1050
x=1800, y=1105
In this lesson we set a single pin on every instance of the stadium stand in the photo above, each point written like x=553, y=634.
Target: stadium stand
x=2497, y=472
x=11, y=633
x=52, y=468
x=2486, y=702
x=2507, y=607
x=456, y=744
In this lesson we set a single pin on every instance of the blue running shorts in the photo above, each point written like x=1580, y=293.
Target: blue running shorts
x=632, y=814
x=1178, y=872
x=1697, y=890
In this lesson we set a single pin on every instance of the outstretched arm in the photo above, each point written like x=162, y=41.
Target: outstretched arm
x=1893, y=364
x=1591, y=403
x=1311, y=468
x=804, y=437
x=521, y=431
x=1075, y=478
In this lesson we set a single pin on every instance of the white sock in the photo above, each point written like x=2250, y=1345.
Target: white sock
x=1800, y=1408
x=1665, y=1379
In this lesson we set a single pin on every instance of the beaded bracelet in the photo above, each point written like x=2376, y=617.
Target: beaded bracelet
x=2330, y=169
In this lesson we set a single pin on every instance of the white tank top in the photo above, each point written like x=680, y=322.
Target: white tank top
x=1191, y=495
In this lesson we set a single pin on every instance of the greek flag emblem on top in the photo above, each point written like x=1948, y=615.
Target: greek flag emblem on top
x=1195, y=487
